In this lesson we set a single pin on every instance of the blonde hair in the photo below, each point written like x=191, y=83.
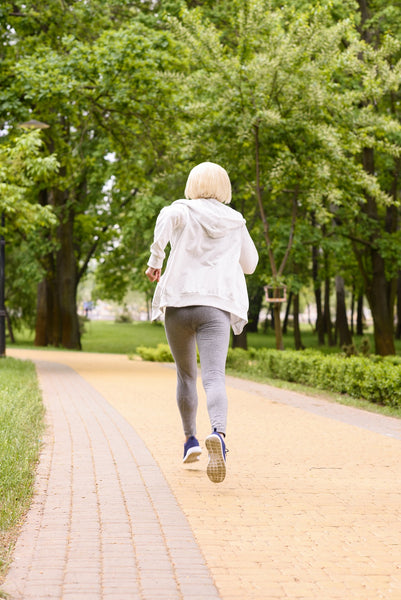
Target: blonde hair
x=208, y=180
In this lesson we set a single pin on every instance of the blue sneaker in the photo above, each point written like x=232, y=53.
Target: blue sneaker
x=216, y=468
x=192, y=450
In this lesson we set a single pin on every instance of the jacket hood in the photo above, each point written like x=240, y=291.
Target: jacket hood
x=215, y=218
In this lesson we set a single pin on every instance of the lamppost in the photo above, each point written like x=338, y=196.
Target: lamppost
x=32, y=124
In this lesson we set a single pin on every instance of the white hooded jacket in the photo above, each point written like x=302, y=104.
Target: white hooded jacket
x=211, y=250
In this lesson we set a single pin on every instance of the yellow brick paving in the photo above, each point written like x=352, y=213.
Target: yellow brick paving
x=310, y=508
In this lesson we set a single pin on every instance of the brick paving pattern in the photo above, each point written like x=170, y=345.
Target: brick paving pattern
x=109, y=526
x=310, y=508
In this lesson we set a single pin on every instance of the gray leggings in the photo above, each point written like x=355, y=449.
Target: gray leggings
x=209, y=328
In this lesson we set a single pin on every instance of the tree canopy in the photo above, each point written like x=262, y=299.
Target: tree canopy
x=298, y=101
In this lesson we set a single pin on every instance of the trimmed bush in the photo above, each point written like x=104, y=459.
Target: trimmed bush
x=161, y=353
x=376, y=379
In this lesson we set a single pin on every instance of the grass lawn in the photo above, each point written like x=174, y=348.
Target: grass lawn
x=21, y=427
x=108, y=337
x=123, y=338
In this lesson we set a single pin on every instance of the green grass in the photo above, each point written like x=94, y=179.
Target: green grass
x=121, y=338
x=124, y=338
x=107, y=337
x=388, y=411
x=21, y=427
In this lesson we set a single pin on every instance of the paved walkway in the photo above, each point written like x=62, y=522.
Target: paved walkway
x=310, y=508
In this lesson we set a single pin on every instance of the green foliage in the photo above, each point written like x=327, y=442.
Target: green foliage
x=24, y=168
x=96, y=75
x=124, y=317
x=20, y=285
x=301, y=84
x=137, y=92
x=377, y=380
x=160, y=354
x=21, y=426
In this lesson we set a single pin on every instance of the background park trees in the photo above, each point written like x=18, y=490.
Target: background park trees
x=23, y=170
x=299, y=101
x=292, y=94
x=91, y=76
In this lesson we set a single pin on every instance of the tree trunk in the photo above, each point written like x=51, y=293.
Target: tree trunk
x=241, y=340
x=318, y=296
x=255, y=305
x=328, y=326
x=287, y=313
x=381, y=308
x=67, y=286
x=148, y=307
x=271, y=311
x=297, y=330
x=277, y=326
x=56, y=317
x=381, y=303
x=342, y=328
x=42, y=301
x=276, y=272
x=398, y=329
x=359, y=316
x=352, y=325
x=379, y=291
x=10, y=327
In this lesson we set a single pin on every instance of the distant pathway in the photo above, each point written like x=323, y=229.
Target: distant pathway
x=363, y=419
x=310, y=508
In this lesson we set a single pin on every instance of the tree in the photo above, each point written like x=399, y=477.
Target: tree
x=98, y=80
x=300, y=103
x=292, y=93
x=24, y=168
x=265, y=94
x=368, y=213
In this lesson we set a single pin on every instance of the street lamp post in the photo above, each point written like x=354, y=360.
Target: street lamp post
x=32, y=124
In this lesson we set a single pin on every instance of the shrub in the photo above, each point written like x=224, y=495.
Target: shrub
x=372, y=378
x=82, y=321
x=124, y=317
x=161, y=353
x=376, y=379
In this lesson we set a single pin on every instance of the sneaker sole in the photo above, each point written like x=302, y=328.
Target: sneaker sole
x=192, y=455
x=216, y=468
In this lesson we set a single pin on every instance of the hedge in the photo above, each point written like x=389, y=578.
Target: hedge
x=161, y=353
x=377, y=379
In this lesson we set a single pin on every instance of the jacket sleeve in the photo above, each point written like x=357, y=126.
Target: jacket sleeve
x=170, y=218
x=249, y=255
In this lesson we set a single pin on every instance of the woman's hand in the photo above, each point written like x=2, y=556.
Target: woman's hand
x=153, y=274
